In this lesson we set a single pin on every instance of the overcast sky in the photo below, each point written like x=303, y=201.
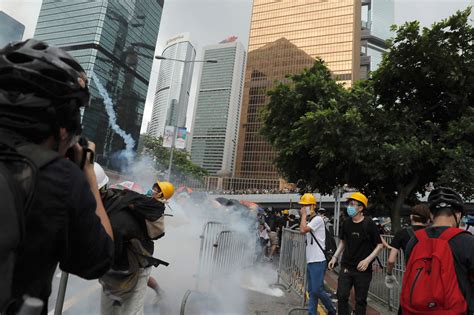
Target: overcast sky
x=210, y=21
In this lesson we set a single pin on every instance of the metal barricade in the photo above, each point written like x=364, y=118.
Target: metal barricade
x=208, y=236
x=223, y=251
x=292, y=267
x=378, y=290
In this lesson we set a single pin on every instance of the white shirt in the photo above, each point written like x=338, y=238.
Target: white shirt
x=313, y=252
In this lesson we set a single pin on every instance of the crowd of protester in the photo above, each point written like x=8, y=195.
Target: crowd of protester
x=58, y=209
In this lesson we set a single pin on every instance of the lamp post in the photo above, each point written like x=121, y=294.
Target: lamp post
x=175, y=128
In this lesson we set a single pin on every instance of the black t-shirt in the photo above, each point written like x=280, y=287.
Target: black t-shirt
x=361, y=239
x=402, y=237
x=462, y=247
x=61, y=227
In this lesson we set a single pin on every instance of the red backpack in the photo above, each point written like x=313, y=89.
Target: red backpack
x=430, y=284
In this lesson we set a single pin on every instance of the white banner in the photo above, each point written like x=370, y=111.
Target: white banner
x=168, y=136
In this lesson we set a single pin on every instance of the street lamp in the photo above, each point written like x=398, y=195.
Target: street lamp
x=175, y=128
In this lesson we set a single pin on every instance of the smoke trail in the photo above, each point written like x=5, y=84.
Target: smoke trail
x=109, y=107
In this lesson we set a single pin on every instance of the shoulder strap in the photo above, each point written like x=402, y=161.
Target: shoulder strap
x=421, y=235
x=319, y=245
x=449, y=233
x=39, y=155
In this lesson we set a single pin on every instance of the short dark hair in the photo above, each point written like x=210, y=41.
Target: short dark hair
x=447, y=211
x=420, y=213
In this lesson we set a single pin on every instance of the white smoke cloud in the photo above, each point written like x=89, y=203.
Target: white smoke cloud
x=128, y=153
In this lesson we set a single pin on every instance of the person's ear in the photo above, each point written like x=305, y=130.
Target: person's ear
x=63, y=134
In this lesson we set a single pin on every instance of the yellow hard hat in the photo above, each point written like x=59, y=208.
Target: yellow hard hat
x=166, y=188
x=285, y=211
x=307, y=199
x=359, y=197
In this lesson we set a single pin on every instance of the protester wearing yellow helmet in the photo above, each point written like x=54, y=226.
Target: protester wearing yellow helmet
x=308, y=202
x=359, y=245
x=315, y=256
x=162, y=190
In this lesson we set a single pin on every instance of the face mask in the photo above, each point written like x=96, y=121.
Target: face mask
x=351, y=211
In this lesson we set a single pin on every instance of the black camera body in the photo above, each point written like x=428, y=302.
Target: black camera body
x=84, y=143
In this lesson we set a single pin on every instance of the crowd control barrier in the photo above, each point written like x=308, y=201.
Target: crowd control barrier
x=222, y=252
x=378, y=291
x=292, y=267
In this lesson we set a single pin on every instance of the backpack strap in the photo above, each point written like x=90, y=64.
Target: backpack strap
x=449, y=233
x=421, y=235
x=320, y=247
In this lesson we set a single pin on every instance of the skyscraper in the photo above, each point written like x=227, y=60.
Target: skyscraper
x=217, y=113
x=174, y=83
x=115, y=40
x=11, y=29
x=285, y=37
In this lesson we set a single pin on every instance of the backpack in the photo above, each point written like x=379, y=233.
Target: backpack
x=20, y=163
x=330, y=244
x=134, y=216
x=430, y=284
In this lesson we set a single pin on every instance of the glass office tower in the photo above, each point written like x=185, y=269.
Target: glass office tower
x=285, y=37
x=11, y=29
x=174, y=84
x=116, y=41
x=217, y=113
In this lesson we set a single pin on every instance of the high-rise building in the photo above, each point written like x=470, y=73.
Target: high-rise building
x=377, y=19
x=11, y=29
x=115, y=40
x=285, y=37
x=174, y=83
x=217, y=112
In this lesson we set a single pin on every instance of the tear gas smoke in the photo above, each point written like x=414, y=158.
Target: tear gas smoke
x=228, y=293
x=128, y=153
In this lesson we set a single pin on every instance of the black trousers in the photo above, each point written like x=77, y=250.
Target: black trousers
x=361, y=282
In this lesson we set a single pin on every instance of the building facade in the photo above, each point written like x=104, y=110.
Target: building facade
x=174, y=83
x=285, y=37
x=377, y=19
x=217, y=112
x=12, y=30
x=115, y=41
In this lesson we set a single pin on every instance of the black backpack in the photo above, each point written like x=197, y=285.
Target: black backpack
x=20, y=163
x=128, y=213
x=330, y=244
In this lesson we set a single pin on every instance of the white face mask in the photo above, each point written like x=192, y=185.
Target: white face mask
x=307, y=209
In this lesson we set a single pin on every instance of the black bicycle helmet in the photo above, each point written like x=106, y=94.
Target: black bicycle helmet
x=443, y=197
x=41, y=86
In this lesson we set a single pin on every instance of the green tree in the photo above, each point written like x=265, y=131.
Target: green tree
x=410, y=125
x=182, y=166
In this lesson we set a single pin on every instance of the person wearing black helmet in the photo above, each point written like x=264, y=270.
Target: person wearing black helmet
x=42, y=91
x=434, y=283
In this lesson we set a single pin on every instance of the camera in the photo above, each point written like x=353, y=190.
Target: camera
x=83, y=142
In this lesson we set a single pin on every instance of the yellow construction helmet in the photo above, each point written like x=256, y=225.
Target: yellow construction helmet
x=166, y=188
x=307, y=199
x=285, y=212
x=359, y=197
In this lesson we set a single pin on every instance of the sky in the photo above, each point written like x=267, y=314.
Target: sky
x=210, y=21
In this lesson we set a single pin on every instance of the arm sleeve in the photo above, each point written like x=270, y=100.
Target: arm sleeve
x=374, y=233
x=397, y=240
x=409, y=248
x=90, y=250
x=316, y=223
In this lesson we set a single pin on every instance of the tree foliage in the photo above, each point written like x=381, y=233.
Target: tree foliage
x=390, y=136
x=182, y=166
